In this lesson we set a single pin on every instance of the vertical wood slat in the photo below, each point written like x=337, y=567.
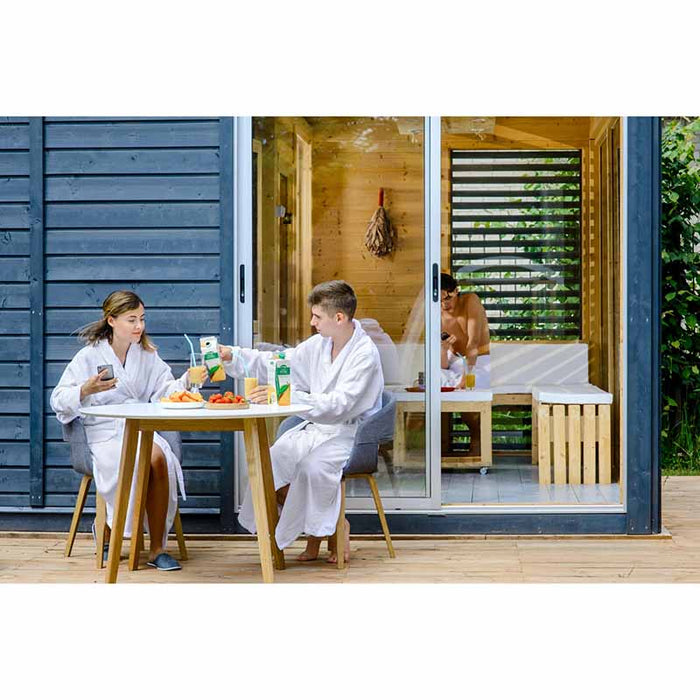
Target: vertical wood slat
x=36, y=325
x=574, y=444
x=559, y=439
x=543, y=461
x=226, y=261
x=534, y=431
x=605, y=472
x=589, y=440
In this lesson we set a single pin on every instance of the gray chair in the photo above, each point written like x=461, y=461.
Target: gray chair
x=81, y=459
x=362, y=463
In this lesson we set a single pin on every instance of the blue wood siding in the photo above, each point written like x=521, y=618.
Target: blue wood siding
x=14, y=312
x=128, y=203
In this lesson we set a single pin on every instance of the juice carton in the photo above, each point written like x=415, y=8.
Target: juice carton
x=279, y=379
x=212, y=358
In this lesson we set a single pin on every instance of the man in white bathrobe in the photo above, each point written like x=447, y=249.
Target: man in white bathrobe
x=338, y=374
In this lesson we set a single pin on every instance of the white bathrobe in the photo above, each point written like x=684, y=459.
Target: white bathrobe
x=145, y=377
x=310, y=457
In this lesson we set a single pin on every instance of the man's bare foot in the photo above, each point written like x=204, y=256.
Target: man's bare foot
x=333, y=556
x=313, y=544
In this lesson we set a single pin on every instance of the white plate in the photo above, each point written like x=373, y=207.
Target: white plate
x=181, y=404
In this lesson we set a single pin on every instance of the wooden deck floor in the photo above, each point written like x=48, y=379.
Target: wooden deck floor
x=474, y=559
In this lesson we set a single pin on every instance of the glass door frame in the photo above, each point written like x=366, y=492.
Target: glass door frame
x=243, y=294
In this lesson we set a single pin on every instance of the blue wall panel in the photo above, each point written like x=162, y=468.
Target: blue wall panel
x=14, y=313
x=122, y=203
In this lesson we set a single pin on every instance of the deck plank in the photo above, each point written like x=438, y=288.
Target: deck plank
x=29, y=558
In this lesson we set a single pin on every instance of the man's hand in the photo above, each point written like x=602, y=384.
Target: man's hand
x=447, y=344
x=96, y=384
x=259, y=394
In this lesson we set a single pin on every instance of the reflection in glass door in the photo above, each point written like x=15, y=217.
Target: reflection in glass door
x=318, y=182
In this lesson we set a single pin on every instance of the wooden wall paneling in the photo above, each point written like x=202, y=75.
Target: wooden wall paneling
x=268, y=281
x=352, y=159
x=445, y=207
x=303, y=212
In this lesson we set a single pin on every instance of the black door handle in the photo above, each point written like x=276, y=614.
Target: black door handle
x=241, y=283
x=436, y=284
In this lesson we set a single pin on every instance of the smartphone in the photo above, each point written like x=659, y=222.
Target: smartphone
x=444, y=335
x=110, y=372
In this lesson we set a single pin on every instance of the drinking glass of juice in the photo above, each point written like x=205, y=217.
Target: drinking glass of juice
x=470, y=380
x=249, y=383
x=197, y=368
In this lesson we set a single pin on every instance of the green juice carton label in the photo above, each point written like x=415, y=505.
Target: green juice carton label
x=212, y=358
x=279, y=379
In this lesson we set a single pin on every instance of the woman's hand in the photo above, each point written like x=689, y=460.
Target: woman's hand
x=259, y=394
x=96, y=384
x=226, y=353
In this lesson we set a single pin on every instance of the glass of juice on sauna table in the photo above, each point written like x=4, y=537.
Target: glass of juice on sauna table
x=470, y=380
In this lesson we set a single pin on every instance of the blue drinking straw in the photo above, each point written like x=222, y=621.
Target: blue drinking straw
x=192, y=360
x=246, y=369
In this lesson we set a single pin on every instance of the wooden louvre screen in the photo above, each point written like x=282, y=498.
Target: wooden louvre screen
x=516, y=239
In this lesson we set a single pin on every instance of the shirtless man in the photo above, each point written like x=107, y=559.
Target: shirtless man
x=464, y=318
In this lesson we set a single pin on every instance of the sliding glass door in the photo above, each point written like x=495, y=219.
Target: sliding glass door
x=325, y=198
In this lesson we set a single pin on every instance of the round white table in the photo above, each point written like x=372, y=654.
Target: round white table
x=145, y=418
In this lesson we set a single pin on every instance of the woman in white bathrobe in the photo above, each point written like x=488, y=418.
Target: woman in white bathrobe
x=119, y=339
x=338, y=374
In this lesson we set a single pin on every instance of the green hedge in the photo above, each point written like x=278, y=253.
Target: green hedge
x=680, y=317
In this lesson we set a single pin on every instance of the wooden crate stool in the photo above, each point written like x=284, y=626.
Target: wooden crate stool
x=572, y=429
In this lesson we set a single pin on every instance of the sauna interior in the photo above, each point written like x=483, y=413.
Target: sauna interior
x=537, y=238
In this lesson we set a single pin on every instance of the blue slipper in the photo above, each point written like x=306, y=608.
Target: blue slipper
x=164, y=562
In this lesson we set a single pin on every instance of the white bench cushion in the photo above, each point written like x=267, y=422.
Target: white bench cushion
x=538, y=363
x=511, y=388
x=571, y=394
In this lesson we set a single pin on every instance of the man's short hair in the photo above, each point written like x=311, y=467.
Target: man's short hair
x=334, y=296
x=447, y=282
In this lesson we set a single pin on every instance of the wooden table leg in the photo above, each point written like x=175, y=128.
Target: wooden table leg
x=270, y=495
x=257, y=490
x=486, y=436
x=400, y=436
x=144, y=471
x=121, y=503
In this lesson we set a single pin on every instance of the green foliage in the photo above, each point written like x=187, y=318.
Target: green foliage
x=680, y=316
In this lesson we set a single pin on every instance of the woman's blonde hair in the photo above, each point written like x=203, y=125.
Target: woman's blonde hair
x=116, y=304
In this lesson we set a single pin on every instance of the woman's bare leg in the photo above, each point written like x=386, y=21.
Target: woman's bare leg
x=157, y=500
